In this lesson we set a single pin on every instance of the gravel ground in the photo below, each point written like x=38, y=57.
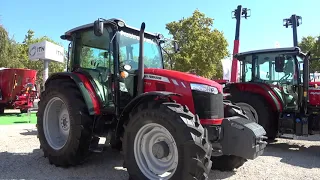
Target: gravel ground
x=20, y=158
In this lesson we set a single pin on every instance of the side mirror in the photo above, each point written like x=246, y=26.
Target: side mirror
x=279, y=63
x=176, y=47
x=98, y=27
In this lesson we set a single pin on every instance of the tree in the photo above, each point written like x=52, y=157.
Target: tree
x=167, y=51
x=8, y=50
x=312, y=43
x=201, y=48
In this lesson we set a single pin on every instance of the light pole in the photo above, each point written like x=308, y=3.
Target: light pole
x=237, y=14
x=294, y=21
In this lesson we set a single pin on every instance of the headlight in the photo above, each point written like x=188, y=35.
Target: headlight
x=204, y=88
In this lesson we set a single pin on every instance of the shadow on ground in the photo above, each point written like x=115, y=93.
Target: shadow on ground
x=295, y=154
x=214, y=174
x=12, y=114
x=29, y=132
x=34, y=166
x=106, y=166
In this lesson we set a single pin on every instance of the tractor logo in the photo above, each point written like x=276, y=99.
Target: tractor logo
x=33, y=51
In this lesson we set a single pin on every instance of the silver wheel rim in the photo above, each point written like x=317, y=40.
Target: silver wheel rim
x=250, y=111
x=56, y=123
x=150, y=150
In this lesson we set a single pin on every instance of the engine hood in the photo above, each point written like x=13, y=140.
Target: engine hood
x=189, y=78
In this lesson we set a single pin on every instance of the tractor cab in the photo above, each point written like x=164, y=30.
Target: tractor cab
x=279, y=69
x=97, y=46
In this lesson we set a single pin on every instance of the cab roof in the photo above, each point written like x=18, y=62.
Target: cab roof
x=273, y=50
x=90, y=25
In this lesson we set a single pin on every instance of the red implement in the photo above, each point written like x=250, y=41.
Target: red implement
x=17, y=88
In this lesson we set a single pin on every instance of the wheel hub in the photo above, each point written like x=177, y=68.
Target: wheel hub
x=64, y=122
x=160, y=150
x=156, y=152
x=56, y=123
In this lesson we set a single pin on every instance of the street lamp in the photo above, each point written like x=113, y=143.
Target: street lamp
x=294, y=21
x=237, y=14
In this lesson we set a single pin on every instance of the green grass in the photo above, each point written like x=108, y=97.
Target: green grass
x=17, y=118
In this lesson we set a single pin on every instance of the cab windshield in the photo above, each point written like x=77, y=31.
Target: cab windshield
x=264, y=69
x=129, y=51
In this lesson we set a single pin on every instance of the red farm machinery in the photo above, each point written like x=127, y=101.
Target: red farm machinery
x=169, y=124
x=17, y=89
x=276, y=93
x=274, y=87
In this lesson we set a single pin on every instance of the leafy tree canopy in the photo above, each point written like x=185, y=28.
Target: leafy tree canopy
x=201, y=48
x=312, y=44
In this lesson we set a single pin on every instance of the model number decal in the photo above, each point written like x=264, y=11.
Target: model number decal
x=156, y=78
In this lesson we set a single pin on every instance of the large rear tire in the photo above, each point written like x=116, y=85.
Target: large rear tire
x=266, y=117
x=155, y=124
x=63, y=124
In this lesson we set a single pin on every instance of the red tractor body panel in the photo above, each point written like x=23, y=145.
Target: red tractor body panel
x=165, y=80
x=17, y=88
x=314, y=93
x=179, y=82
x=183, y=76
x=92, y=93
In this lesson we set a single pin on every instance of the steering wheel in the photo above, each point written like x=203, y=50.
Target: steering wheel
x=284, y=79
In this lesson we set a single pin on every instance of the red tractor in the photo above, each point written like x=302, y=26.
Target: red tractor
x=167, y=123
x=17, y=89
x=276, y=93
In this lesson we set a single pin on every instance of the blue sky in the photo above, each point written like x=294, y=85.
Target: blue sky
x=262, y=30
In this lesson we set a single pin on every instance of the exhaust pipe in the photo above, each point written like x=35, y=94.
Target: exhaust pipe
x=140, y=86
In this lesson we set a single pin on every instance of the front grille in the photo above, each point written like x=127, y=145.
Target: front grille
x=208, y=105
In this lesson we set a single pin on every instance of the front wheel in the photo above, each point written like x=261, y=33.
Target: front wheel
x=165, y=141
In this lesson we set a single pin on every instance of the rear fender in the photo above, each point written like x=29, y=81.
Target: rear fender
x=148, y=96
x=261, y=89
x=85, y=86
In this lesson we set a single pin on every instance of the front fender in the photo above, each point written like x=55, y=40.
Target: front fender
x=148, y=96
x=145, y=96
x=84, y=86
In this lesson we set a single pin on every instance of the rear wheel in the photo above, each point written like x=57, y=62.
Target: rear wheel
x=250, y=112
x=63, y=124
x=164, y=140
x=265, y=116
